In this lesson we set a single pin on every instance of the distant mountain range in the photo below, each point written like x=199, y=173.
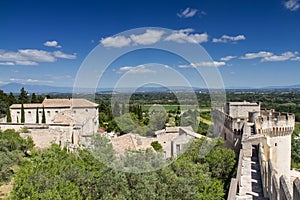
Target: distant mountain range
x=46, y=89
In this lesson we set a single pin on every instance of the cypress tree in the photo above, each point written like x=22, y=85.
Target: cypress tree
x=37, y=115
x=22, y=114
x=33, y=98
x=116, y=110
x=8, y=116
x=43, y=116
x=23, y=96
x=123, y=109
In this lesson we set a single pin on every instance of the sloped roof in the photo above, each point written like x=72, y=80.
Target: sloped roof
x=59, y=103
x=68, y=103
x=131, y=142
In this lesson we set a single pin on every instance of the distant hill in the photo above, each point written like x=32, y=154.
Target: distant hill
x=15, y=88
x=46, y=89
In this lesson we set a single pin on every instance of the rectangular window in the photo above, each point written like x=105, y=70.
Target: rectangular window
x=177, y=148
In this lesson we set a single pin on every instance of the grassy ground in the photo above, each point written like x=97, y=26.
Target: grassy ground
x=174, y=107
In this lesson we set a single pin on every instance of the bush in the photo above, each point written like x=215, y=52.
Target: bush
x=156, y=146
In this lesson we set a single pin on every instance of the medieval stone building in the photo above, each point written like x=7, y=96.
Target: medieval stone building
x=262, y=140
x=67, y=121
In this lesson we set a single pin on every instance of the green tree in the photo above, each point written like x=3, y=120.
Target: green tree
x=11, y=99
x=22, y=114
x=221, y=162
x=37, y=120
x=116, y=109
x=34, y=98
x=8, y=115
x=123, y=109
x=156, y=146
x=43, y=116
x=23, y=96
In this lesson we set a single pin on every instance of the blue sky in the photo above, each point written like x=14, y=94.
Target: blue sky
x=252, y=43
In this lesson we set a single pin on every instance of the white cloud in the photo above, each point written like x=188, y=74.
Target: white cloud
x=260, y=54
x=7, y=63
x=117, y=41
x=188, y=12
x=283, y=57
x=26, y=63
x=59, y=54
x=227, y=38
x=140, y=69
x=296, y=58
x=270, y=57
x=37, y=55
x=29, y=80
x=227, y=58
x=204, y=64
x=149, y=37
x=31, y=56
x=292, y=5
x=152, y=36
x=52, y=44
x=186, y=36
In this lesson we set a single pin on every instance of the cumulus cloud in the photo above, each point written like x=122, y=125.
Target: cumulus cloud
x=152, y=36
x=271, y=57
x=7, y=63
x=204, y=64
x=52, y=43
x=188, y=12
x=26, y=63
x=292, y=5
x=186, y=36
x=117, y=41
x=31, y=56
x=37, y=55
x=227, y=58
x=260, y=54
x=140, y=69
x=227, y=38
x=29, y=80
x=147, y=38
x=59, y=54
x=283, y=57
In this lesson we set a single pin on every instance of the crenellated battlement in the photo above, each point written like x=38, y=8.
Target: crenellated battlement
x=273, y=123
x=262, y=139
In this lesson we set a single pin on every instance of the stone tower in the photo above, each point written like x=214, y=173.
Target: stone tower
x=277, y=129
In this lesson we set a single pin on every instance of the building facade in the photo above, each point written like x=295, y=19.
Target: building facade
x=71, y=121
x=262, y=139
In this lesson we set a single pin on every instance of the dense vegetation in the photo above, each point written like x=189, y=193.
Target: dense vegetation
x=57, y=174
x=13, y=149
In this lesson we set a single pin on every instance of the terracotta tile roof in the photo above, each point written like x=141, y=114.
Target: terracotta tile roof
x=122, y=143
x=63, y=118
x=131, y=142
x=59, y=103
x=68, y=103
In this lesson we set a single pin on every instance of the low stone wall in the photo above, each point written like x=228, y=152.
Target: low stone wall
x=274, y=187
x=296, y=189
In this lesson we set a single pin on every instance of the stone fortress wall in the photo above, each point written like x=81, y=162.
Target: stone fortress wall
x=262, y=141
